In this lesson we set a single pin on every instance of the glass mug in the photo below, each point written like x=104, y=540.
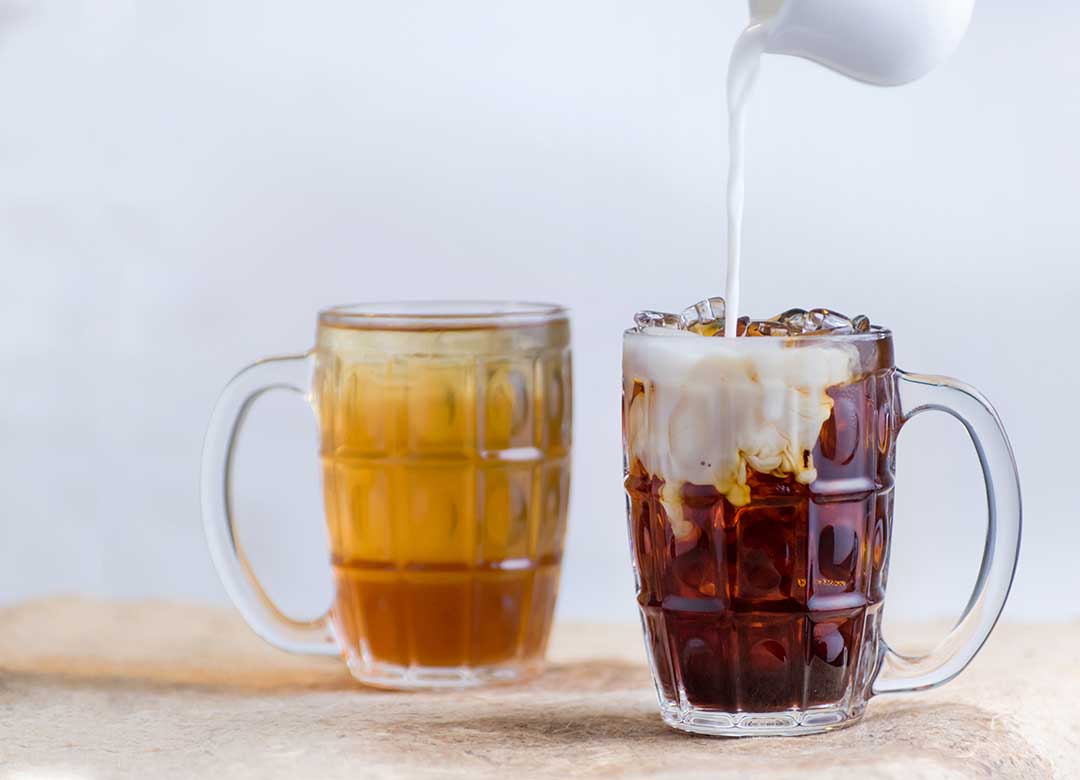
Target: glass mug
x=759, y=480
x=445, y=442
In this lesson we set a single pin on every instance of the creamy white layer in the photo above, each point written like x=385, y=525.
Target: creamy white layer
x=711, y=407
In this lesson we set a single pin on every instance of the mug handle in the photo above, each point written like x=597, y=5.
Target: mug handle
x=918, y=394
x=293, y=373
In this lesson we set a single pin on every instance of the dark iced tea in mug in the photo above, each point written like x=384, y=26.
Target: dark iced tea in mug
x=759, y=480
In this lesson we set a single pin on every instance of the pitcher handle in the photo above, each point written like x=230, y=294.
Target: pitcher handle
x=918, y=394
x=292, y=373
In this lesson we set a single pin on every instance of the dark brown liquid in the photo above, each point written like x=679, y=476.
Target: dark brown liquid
x=776, y=604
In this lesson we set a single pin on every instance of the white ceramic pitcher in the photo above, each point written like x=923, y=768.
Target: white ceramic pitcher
x=885, y=42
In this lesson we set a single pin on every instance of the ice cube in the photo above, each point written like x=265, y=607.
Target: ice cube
x=705, y=317
x=795, y=320
x=768, y=328
x=657, y=319
x=828, y=320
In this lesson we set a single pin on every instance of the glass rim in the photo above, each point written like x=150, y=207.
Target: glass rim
x=450, y=314
x=876, y=333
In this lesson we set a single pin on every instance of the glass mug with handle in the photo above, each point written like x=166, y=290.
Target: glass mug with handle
x=759, y=480
x=445, y=432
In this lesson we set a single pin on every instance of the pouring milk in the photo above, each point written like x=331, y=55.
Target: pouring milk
x=883, y=42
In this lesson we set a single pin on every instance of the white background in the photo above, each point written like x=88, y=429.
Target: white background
x=184, y=184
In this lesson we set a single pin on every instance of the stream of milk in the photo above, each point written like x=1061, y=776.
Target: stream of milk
x=742, y=73
x=884, y=42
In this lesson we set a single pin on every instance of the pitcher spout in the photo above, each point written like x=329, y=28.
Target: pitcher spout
x=883, y=42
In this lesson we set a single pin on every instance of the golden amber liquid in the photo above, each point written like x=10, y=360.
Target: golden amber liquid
x=446, y=475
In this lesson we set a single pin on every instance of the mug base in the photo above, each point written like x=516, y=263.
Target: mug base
x=787, y=723
x=425, y=678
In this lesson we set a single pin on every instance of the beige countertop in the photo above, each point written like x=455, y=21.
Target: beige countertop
x=93, y=690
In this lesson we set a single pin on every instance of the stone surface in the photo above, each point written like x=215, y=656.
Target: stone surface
x=101, y=690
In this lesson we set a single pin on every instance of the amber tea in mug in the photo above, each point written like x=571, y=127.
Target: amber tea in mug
x=445, y=444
